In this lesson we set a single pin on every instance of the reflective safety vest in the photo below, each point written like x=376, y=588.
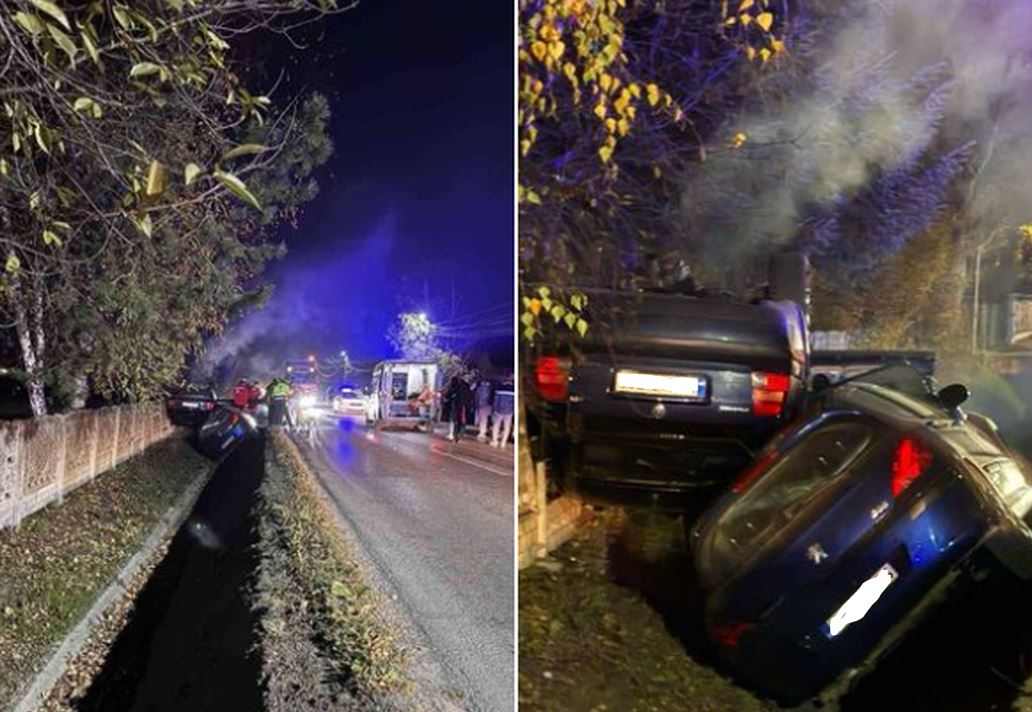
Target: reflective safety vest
x=279, y=389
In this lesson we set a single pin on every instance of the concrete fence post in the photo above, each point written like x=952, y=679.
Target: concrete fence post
x=20, y=482
x=114, y=439
x=540, y=511
x=94, y=443
x=61, y=469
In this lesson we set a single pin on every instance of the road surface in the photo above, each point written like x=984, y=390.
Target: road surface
x=437, y=521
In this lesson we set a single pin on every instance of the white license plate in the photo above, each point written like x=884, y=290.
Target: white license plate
x=862, y=600
x=659, y=384
x=190, y=404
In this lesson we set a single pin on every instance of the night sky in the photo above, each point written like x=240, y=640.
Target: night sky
x=415, y=210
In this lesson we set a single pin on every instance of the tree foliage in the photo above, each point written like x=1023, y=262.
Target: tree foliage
x=141, y=178
x=615, y=100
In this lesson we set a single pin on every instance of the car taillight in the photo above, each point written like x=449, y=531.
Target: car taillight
x=910, y=460
x=208, y=405
x=769, y=391
x=552, y=378
x=728, y=634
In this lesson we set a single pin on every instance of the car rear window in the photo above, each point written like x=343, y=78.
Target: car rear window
x=783, y=491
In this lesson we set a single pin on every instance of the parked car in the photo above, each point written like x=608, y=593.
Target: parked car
x=668, y=393
x=191, y=405
x=349, y=401
x=850, y=525
x=224, y=429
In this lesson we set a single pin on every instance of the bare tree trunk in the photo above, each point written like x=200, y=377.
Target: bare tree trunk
x=29, y=328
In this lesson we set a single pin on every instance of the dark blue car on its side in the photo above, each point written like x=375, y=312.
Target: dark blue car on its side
x=850, y=524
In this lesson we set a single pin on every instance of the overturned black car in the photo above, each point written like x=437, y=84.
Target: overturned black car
x=191, y=405
x=674, y=393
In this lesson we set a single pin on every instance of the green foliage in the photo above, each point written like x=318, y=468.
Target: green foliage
x=123, y=267
x=547, y=310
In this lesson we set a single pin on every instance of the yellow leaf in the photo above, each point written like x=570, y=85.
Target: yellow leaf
x=605, y=153
x=746, y=4
x=745, y=18
x=738, y=140
x=535, y=306
x=570, y=70
x=155, y=179
x=556, y=49
x=750, y=52
x=610, y=125
x=765, y=54
x=622, y=102
x=652, y=94
x=524, y=147
x=635, y=90
x=600, y=109
x=765, y=20
x=538, y=49
x=778, y=46
x=730, y=21
x=605, y=81
x=622, y=126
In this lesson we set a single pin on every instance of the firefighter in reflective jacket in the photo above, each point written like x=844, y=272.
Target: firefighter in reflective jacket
x=278, y=393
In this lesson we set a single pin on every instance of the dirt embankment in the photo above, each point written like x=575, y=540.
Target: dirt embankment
x=606, y=623
x=323, y=644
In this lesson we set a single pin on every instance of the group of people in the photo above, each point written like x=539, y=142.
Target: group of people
x=246, y=396
x=482, y=403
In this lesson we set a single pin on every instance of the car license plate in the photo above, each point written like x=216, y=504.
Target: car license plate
x=862, y=600
x=659, y=384
x=189, y=404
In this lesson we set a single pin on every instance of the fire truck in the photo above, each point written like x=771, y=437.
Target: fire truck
x=303, y=376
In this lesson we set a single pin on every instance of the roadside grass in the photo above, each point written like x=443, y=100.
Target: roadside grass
x=313, y=599
x=62, y=557
x=588, y=640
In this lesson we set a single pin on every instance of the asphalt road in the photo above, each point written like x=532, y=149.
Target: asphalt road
x=437, y=521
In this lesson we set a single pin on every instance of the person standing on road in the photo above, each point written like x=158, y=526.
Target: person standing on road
x=504, y=406
x=278, y=393
x=456, y=400
x=485, y=404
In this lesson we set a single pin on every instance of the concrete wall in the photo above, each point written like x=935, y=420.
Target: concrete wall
x=42, y=459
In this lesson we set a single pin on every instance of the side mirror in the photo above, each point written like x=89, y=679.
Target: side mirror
x=820, y=382
x=953, y=395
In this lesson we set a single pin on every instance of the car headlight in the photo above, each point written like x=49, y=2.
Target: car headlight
x=306, y=401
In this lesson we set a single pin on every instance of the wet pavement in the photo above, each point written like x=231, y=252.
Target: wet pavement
x=436, y=519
